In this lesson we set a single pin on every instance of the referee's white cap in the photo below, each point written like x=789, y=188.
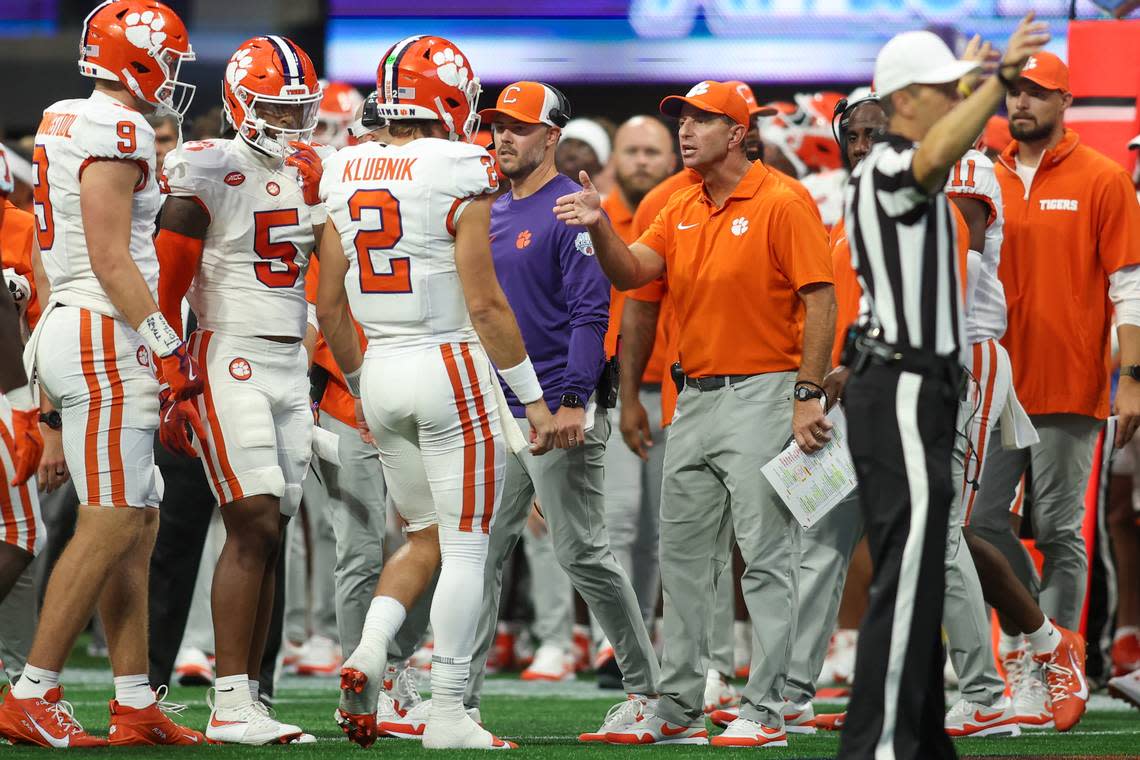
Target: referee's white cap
x=917, y=58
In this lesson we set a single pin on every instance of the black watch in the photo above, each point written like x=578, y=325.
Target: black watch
x=52, y=419
x=808, y=391
x=572, y=400
x=1132, y=370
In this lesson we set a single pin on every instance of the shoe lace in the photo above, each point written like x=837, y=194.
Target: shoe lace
x=63, y=714
x=960, y=710
x=622, y=713
x=404, y=686
x=1058, y=677
x=170, y=708
x=1016, y=669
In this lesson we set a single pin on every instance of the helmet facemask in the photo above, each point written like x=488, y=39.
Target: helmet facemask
x=269, y=123
x=173, y=97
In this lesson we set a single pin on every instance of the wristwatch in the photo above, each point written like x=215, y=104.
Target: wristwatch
x=1132, y=370
x=52, y=419
x=809, y=391
x=572, y=400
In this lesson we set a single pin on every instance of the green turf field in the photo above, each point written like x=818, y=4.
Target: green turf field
x=546, y=719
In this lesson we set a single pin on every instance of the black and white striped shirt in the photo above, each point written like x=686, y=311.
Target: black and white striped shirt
x=904, y=251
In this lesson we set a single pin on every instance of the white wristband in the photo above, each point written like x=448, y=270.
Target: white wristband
x=523, y=381
x=352, y=380
x=21, y=398
x=159, y=335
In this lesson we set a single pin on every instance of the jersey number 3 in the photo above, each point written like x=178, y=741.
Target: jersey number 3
x=399, y=280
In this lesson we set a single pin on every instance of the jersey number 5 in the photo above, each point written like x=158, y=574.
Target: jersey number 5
x=399, y=280
x=281, y=251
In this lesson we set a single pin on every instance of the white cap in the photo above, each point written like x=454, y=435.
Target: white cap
x=591, y=133
x=917, y=58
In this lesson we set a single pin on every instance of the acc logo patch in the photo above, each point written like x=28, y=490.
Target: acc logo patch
x=273, y=188
x=240, y=369
x=143, y=356
x=584, y=244
x=233, y=179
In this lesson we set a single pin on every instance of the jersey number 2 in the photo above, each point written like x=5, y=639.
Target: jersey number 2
x=399, y=280
x=286, y=253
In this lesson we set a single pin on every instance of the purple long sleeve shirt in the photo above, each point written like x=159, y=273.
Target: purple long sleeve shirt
x=557, y=289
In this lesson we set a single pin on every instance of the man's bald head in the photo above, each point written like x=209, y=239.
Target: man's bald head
x=643, y=156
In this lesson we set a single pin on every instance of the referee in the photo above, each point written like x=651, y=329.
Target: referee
x=902, y=400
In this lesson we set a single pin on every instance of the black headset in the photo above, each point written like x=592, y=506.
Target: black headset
x=370, y=118
x=560, y=114
x=841, y=119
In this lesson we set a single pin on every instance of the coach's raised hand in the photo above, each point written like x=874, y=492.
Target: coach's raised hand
x=583, y=208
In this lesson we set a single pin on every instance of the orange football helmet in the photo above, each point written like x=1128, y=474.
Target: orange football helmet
x=271, y=94
x=338, y=110
x=141, y=44
x=425, y=77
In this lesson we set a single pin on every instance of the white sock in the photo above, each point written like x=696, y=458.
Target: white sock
x=134, y=691
x=384, y=618
x=455, y=616
x=1124, y=632
x=1008, y=643
x=1045, y=639
x=231, y=692
x=35, y=683
x=254, y=690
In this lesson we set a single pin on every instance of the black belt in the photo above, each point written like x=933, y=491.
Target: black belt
x=865, y=351
x=714, y=382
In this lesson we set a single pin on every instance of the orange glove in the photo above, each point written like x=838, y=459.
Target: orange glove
x=309, y=170
x=178, y=422
x=27, y=442
x=180, y=372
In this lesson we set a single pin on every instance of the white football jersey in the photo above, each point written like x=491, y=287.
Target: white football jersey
x=6, y=183
x=973, y=177
x=251, y=280
x=827, y=190
x=395, y=208
x=72, y=135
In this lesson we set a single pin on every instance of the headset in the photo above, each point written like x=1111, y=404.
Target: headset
x=560, y=114
x=841, y=119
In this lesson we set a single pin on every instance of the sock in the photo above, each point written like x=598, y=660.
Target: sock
x=1124, y=632
x=1045, y=639
x=254, y=690
x=231, y=692
x=1008, y=643
x=35, y=683
x=384, y=618
x=134, y=691
x=455, y=617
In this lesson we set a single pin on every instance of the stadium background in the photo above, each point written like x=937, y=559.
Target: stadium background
x=613, y=58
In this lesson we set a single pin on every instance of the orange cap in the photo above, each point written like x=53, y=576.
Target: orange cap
x=714, y=97
x=754, y=108
x=1048, y=71
x=529, y=102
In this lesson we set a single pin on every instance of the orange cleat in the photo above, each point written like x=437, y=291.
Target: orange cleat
x=831, y=721
x=136, y=727
x=1065, y=676
x=360, y=729
x=46, y=722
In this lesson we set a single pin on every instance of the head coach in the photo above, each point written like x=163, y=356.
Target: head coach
x=749, y=269
x=902, y=400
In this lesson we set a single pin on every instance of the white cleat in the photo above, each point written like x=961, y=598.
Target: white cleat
x=193, y=668
x=967, y=718
x=1031, y=702
x=653, y=729
x=401, y=687
x=748, y=733
x=250, y=724
x=1127, y=688
x=618, y=718
x=840, y=661
x=461, y=733
x=719, y=693
x=550, y=663
x=413, y=724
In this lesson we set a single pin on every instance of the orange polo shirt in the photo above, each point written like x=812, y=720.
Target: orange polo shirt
x=1076, y=224
x=337, y=401
x=622, y=220
x=734, y=272
x=16, y=236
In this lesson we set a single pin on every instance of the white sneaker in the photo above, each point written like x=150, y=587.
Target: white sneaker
x=290, y=653
x=319, y=656
x=618, y=717
x=252, y=724
x=464, y=733
x=1126, y=687
x=653, y=729
x=719, y=693
x=193, y=668
x=967, y=718
x=741, y=647
x=748, y=733
x=401, y=686
x=1030, y=697
x=842, y=656
x=798, y=719
x=414, y=722
x=551, y=663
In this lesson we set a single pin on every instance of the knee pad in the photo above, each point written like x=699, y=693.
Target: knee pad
x=465, y=548
x=290, y=497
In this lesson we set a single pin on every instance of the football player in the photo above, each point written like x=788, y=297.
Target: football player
x=407, y=238
x=337, y=114
x=236, y=233
x=96, y=198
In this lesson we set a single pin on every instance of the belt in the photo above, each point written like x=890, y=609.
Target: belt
x=868, y=351
x=714, y=382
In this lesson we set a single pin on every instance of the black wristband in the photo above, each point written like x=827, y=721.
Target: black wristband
x=1006, y=83
x=817, y=386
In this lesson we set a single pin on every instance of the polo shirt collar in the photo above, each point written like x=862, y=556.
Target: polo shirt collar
x=747, y=187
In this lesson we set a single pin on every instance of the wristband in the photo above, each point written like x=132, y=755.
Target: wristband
x=1007, y=83
x=352, y=380
x=523, y=381
x=21, y=398
x=159, y=335
x=964, y=89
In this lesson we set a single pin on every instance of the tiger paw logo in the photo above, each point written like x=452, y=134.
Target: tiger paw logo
x=739, y=226
x=700, y=88
x=142, y=357
x=239, y=65
x=144, y=30
x=240, y=369
x=451, y=68
x=523, y=240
